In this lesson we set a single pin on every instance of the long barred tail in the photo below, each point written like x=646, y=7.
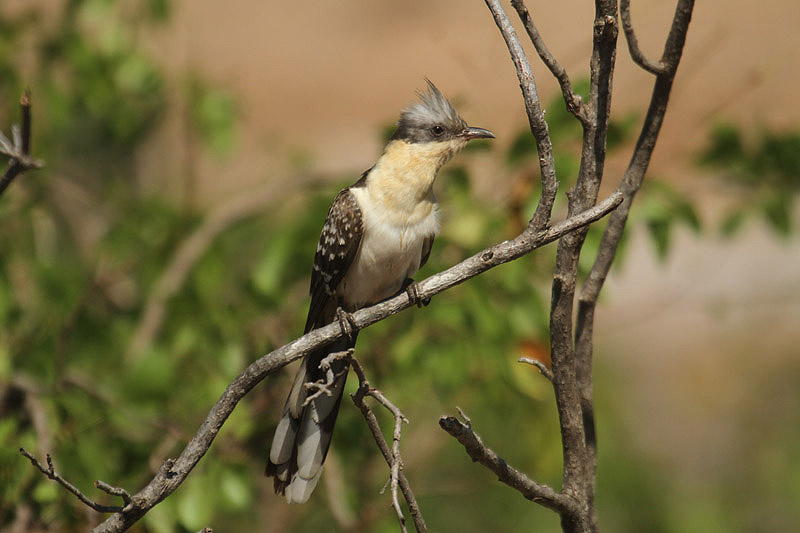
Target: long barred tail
x=304, y=432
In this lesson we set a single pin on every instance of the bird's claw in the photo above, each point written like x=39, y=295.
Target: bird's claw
x=412, y=289
x=347, y=322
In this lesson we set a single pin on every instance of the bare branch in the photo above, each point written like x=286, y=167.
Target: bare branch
x=113, y=491
x=543, y=370
x=536, y=120
x=640, y=159
x=633, y=43
x=574, y=102
x=575, y=414
x=18, y=151
x=323, y=387
x=479, y=452
x=51, y=473
x=392, y=456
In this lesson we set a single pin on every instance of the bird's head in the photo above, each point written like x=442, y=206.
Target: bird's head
x=434, y=120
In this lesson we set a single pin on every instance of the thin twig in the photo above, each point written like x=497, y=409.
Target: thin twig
x=323, y=387
x=543, y=370
x=113, y=491
x=392, y=456
x=633, y=43
x=51, y=473
x=574, y=102
x=479, y=452
x=18, y=150
x=533, y=108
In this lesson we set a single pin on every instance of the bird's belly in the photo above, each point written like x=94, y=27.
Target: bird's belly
x=388, y=255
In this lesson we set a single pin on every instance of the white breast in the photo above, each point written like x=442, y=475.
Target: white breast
x=390, y=252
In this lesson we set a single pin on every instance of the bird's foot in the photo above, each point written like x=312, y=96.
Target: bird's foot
x=347, y=322
x=412, y=289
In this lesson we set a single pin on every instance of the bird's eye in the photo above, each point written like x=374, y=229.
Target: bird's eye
x=437, y=130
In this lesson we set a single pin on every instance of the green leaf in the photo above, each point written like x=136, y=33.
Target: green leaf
x=522, y=148
x=160, y=10
x=162, y=518
x=725, y=147
x=196, y=502
x=777, y=211
x=733, y=222
x=46, y=491
x=214, y=113
x=659, y=229
x=236, y=490
x=620, y=131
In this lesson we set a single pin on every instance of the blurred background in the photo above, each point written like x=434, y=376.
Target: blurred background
x=192, y=150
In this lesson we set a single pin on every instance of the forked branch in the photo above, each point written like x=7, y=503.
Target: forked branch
x=397, y=479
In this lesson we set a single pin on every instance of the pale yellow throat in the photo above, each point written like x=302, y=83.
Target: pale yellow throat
x=403, y=176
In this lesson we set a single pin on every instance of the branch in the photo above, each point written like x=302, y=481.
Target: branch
x=633, y=43
x=18, y=151
x=479, y=452
x=536, y=120
x=323, y=387
x=571, y=373
x=640, y=159
x=174, y=471
x=635, y=173
x=574, y=102
x=50, y=472
x=397, y=478
x=543, y=370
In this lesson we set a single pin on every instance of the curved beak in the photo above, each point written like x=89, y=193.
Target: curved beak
x=476, y=133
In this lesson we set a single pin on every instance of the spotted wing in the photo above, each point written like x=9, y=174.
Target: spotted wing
x=337, y=248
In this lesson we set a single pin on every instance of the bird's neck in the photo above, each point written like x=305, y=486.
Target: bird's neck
x=403, y=177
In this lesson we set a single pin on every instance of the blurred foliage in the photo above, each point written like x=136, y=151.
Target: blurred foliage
x=765, y=166
x=75, y=277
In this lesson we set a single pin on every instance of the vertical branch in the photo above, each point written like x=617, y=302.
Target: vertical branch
x=571, y=373
x=631, y=182
x=533, y=108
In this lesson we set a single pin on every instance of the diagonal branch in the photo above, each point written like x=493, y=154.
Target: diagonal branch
x=574, y=102
x=174, y=471
x=479, y=452
x=543, y=370
x=18, y=150
x=51, y=473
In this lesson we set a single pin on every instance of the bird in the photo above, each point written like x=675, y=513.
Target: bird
x=377, y=234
